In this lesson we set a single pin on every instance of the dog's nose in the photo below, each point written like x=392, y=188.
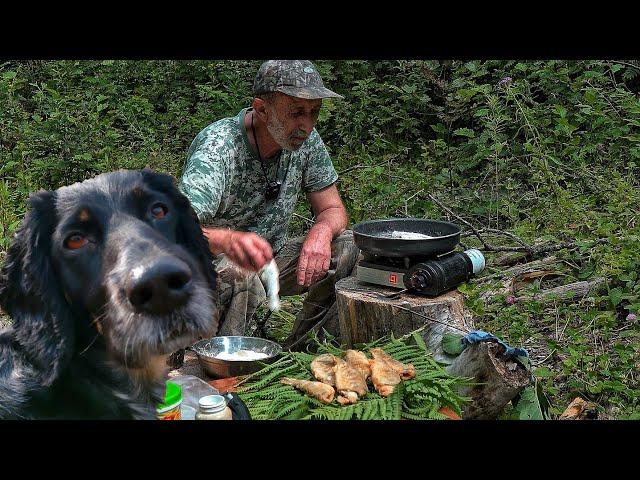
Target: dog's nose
x=160, y=286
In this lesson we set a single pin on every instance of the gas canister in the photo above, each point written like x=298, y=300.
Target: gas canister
x=437, y=276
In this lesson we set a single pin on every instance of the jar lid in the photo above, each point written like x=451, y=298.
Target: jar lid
x=212, y=402
x=172, y=395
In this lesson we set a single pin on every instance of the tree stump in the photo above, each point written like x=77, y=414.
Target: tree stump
x=365, y=315
x=498, y=380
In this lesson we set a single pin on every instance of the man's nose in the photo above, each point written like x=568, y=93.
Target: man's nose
x=306, y=125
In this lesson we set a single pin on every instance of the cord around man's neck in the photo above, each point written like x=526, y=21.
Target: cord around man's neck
x=255, y=140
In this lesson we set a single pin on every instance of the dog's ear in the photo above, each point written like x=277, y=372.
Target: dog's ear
x=189, y=233
x=30, y=292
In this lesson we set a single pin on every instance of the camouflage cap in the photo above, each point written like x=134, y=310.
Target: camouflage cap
x=297, y=78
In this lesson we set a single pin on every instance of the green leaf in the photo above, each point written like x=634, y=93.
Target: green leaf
x=439, y=128
x=467, y=92
x=587, y=272
x=543, y=372
x=615, y=295
x=8, y=166
x=590, y=96
x=452, y=344
x=9, y=75
x=464, y=132
x=528, y=406
x=543, y=401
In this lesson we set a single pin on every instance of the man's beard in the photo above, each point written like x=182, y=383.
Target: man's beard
x=278, y=132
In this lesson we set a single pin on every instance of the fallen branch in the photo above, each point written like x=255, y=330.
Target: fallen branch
x=520, y=269
x=565, y=293
x=508, y=259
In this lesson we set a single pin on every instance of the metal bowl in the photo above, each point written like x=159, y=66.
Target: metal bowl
x=207, y=349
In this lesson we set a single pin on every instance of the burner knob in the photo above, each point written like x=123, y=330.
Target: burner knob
x=418, y=280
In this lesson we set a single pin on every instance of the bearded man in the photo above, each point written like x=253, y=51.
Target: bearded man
x=243, y=176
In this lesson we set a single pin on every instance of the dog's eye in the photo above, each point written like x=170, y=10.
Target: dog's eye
x=159, y=210
x=75, y=241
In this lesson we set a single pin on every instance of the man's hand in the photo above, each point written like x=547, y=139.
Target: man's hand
x=331, y=220
x=315, y=255
x=246, y=249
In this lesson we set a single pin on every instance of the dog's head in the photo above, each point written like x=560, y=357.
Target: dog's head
x=121, y=257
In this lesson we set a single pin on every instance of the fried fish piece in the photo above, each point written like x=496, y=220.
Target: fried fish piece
x=406, y=371
x=347, y=398
x=349, y=379
x=384, y=378
x=322, y=369
x=359, y=361
x=319, y=390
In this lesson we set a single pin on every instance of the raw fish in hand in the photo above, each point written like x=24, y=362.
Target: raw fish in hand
x=270, y=277
x=319, y=390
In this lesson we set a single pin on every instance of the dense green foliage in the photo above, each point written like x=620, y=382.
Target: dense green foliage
x=419, y=398
x=546, y=150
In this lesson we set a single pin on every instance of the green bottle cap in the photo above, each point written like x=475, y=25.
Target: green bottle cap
x=173, y=394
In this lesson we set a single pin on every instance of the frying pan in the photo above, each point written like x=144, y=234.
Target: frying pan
x=374, y=237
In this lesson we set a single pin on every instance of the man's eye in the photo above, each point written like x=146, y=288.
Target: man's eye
x=159, y=210
x=75, y=241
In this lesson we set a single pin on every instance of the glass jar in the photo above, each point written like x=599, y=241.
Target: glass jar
x=213, y=407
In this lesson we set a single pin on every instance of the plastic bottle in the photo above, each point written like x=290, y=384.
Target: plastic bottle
x=170, y=408
x=213, y=407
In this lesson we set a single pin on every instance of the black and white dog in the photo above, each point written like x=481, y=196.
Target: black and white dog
x=103, y=280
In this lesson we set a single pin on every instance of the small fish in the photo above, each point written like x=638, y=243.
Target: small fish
x=319, y=390
x=270, y=277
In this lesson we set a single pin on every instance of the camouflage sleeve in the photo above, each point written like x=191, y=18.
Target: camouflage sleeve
x=319, y=172
x=203, y=183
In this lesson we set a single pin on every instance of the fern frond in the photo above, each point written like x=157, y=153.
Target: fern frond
x=419, y=398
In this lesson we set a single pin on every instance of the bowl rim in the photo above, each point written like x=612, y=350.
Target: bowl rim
x=211, y=358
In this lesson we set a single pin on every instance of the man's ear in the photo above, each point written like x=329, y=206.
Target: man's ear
x=263, y=107
x=260, y=107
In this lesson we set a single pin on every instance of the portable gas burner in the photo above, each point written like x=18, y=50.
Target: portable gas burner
x=416, y=255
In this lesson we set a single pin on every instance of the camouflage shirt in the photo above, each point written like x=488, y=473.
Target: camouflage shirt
x=225, y=183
